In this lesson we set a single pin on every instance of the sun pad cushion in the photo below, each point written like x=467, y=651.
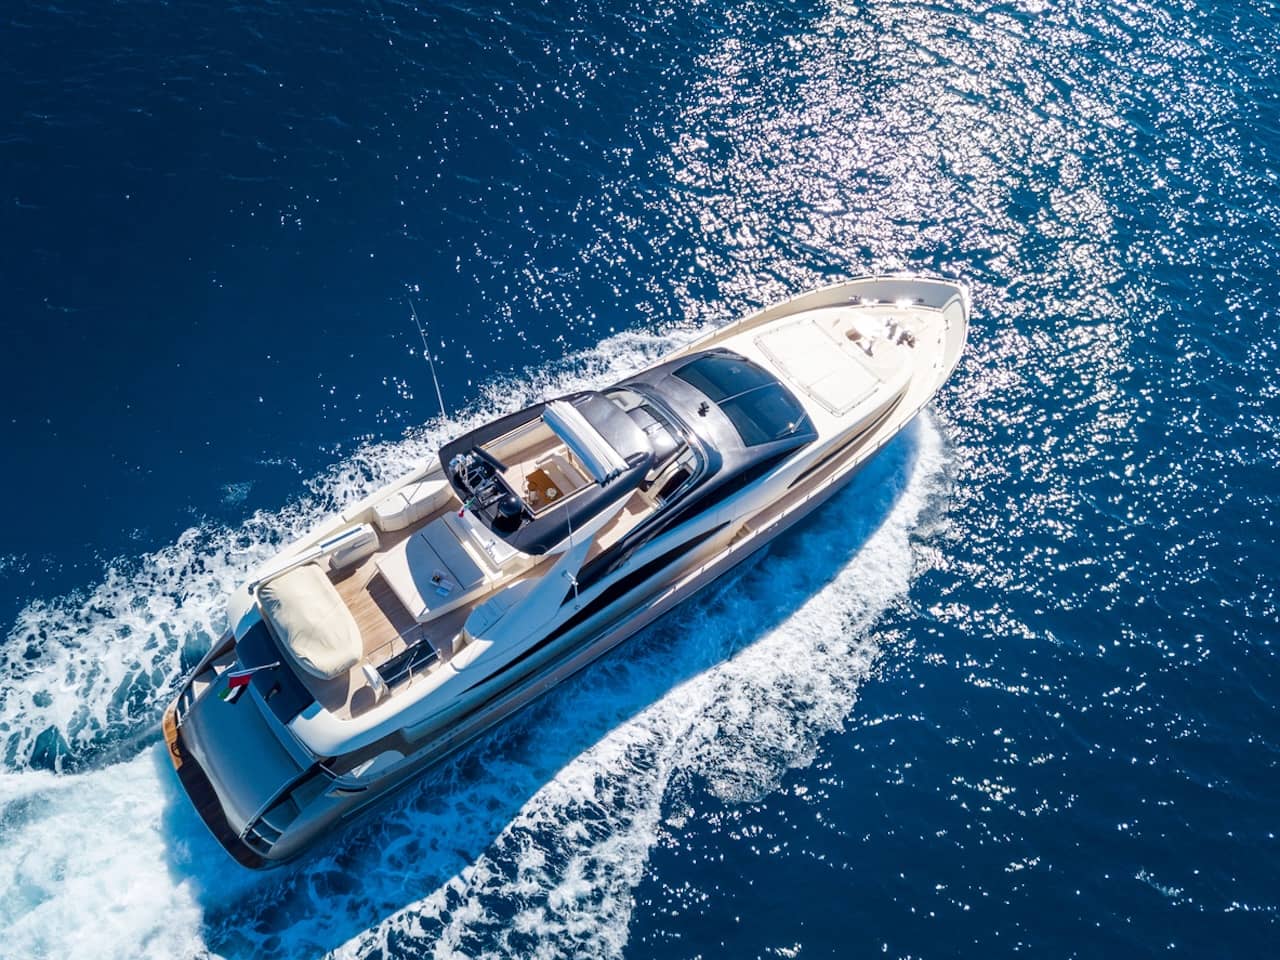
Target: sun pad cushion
x=312, y=621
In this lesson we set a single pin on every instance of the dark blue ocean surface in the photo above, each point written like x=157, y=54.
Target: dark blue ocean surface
x=1014, y=692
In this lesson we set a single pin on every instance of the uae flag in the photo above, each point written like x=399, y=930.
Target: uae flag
x=237, y=680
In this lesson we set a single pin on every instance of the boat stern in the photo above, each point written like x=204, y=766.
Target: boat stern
x=235, y=761
x=203, y=797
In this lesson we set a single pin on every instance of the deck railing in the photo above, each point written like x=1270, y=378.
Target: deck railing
x=384, y=660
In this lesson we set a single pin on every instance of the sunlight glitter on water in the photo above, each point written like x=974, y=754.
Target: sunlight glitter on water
x=1065, y=638
x=595, y=761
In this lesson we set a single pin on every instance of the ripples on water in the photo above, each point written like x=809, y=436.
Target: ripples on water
x=1053, y=601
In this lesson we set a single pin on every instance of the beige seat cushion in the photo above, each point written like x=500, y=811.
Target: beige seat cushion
x=407, y=506
x=430, y=572
x=312, y=621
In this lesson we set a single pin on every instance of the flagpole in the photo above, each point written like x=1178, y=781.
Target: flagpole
x=237, y=680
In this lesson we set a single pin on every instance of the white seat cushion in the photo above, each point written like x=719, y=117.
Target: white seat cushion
x=430, y=572
x=492, y=548
x=352, y=546
x=392, y=513
x=407, y=506
x=312, y=621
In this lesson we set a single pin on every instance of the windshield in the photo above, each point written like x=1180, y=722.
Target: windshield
x=760, y=408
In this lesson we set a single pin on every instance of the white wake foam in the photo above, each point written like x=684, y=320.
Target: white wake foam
x=83, y=868
x=86, y=673
x=531, y=842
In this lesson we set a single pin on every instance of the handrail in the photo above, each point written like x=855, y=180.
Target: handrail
x=403, y=636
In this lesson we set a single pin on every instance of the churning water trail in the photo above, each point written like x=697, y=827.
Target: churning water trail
x=1092, y=663
x=726, y=694
x=87, y=676
x=529, y=842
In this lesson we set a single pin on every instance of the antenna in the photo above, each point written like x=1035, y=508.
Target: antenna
x=426, y=349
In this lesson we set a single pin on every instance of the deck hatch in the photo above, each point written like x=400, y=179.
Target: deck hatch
x=819, y=365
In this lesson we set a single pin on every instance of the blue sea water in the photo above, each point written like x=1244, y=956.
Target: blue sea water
x=1014, y=692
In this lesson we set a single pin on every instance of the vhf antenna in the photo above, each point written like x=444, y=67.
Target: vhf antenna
x=426, y=348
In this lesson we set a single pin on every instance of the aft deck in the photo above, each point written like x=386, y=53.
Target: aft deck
x=387, y=629
x=392, y=591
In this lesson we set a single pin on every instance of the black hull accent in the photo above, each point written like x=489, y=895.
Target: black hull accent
x=196, y=783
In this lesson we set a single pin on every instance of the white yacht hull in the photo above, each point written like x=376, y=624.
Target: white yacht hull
x=460, y=700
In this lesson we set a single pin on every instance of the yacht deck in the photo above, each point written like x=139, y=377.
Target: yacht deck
x=386, y=627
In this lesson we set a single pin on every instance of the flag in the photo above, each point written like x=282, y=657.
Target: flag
x=237, y=680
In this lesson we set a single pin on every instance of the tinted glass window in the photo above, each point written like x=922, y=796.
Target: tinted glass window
x=675, y=483
x=760, y=408
x=747, y=476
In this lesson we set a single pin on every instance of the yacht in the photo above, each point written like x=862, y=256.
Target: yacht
x=404, y=627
